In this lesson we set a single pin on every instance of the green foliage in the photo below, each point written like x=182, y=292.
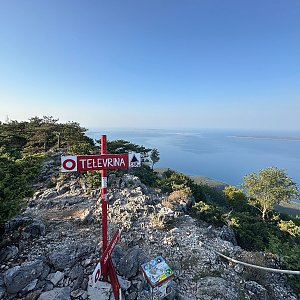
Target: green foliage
x=122, y=146
x=154, y=155
x=16, y=177
x=269, y=187
x=278, y=234
x=289, y=227
x=40, y=135
x=246, y=227
x=146, y=175
x=208, y=212
x=213, y=195
x=288, y=251
x=81, y=148
x=236, y=198
x=93, y=178
x=22, y=149
x=173, y=181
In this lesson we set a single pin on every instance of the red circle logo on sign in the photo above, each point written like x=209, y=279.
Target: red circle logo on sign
x=69, y=163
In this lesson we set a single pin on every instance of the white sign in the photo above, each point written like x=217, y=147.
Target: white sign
x=134, y=159
x=104, y=182
x=96, y=274
x=69, y=163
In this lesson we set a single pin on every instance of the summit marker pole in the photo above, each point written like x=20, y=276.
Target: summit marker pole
x=104, y=201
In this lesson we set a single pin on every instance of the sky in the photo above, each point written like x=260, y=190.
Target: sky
x=152, y=64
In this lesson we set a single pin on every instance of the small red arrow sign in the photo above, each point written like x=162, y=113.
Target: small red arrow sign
x=108, y=251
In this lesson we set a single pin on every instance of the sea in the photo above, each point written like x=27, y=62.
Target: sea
x=224, y=155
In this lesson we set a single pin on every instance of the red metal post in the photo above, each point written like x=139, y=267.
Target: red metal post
x=108, y=267
x=104, y=201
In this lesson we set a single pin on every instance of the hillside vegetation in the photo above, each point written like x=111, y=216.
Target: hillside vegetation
x=23, y=147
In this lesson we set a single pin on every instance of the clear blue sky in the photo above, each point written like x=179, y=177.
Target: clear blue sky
x=152, y=64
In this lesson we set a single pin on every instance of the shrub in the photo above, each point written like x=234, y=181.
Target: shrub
x=16, y=178
x=246, y=228
x=208, y=212
x=236, y=198
x=289, y=227
x=146, y=175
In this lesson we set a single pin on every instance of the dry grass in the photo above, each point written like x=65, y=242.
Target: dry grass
x=177, y=198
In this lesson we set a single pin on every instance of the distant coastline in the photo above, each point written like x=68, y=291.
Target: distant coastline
x=275, y=138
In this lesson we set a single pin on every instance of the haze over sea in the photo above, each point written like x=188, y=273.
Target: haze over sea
x=225, y=155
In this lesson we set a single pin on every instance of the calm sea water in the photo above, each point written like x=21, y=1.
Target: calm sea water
x=223, y=155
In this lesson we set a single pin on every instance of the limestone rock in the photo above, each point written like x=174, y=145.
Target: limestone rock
x=57, y=294
x=212, y=288
x=67, y=256
x=166, y=215
x=124, y=284
x=8, y=252
x=15, y=223
x=29, y=287
x=35, y=229
x=56, y=277
x=260, y=293
x=100, y=291
x=227, y=234
x=2, y=287
x=18, y=277
x=129, y=264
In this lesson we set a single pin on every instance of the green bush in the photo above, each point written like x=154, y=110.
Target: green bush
x=146, y=175
x=289, y=227
x=16, y=178
x=237, y=200
x=173, y=181
x=251, y=233
x=208, y=212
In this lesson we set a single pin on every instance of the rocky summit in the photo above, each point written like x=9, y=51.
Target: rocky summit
x=51, y=249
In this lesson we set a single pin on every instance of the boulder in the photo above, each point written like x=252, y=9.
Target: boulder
x=35, y=229
x=8, y=252
x=212, y=288
x=56, y=277
x=99, y=291
x=227, y=234
x=19, y=277
x=67, y=256
x=57, y=294
x=129, y=263
x=260, y=293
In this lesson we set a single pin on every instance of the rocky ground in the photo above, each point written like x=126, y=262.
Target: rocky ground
x=51, y=249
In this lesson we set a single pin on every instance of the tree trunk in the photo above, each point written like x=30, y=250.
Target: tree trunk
x=264, y=214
